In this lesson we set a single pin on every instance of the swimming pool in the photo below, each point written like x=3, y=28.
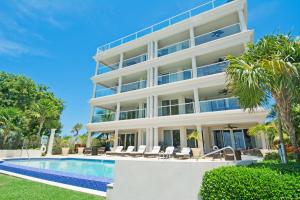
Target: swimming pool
x=87, y=173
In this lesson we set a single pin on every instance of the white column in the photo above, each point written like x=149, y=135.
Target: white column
x=194, y=67
x=148, y=136
x=118, y=111
x=148, y=78
x=263, y=141
x=121, y=60
x=151, y=77
x=155, y=137
x=50, y=143
x=242, y=21
x=200, y=140
x=183, y=137
x=192, y=36
x=150, y=50
x=97, y=68
x=140, y=109
x=151, y=108
x=155, y=76
x=89, y=139
x=140, y=137
x=155, y=49
x=120, y=84
x=92, y=110
x=155, y=107
x=232, y=138
x=116, y=138
x=196, y=99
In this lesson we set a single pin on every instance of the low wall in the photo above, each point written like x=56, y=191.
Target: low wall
x=18, y=153
x=160, y=180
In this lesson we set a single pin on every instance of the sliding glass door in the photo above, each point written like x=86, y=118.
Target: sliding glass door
x=233, y=138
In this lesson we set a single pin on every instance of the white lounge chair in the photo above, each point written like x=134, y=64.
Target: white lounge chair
x=153, y=153
x=116, y=151
x=185, y=153
x=127, y=152
x=168, y=153
x=140, y=152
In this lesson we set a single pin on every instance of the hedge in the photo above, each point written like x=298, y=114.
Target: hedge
x=249, y=183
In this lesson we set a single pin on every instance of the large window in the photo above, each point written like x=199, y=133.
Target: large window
x=236, y=138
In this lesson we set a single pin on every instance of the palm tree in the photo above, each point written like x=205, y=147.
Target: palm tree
x=268, y=69
x=194, y=136
x=44, y=109
x=10, y=120
x=76, y=129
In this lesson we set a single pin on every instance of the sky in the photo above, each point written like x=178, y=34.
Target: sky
x=53, y=41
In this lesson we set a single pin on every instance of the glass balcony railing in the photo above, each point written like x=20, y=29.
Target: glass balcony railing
x=177, y=109
x=212, y=68
x=217, y=34
x=107, y=68
x=174, y=77
x=101, y=92
x=132, y=114
x=105, y=117
x=134, y=86
x=135, y=60
x=219, y=104
x=173, y=48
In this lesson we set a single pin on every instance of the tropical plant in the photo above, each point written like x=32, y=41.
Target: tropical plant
x=10, y=121
x=194, y=136
x=107, y=116
x=268, y=69
x=76, y=129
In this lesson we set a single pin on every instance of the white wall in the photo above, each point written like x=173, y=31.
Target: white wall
x=159, y=180
x=18, y=153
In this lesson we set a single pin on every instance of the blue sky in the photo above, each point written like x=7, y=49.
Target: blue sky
x=53, y=42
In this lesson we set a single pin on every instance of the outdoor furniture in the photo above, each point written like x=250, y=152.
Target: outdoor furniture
x=168, y=153
x=127, y=152
x=101, y=150
x=115, y=152
x=140, y=152
x=229, y=155
x=185, y=153
x=87, y=150
x=153, y=153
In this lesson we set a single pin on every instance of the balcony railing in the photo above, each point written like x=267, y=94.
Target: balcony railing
x=132, y=114
x=174, y=77
x=134, y=86
x=173, y=48
x=105, y=117
x=107, y=68
x=163, y=24
x=177, y=109
x=106, y=91
x=219, y=104
x=217, y=34
x=212, y=68
x=135, y=60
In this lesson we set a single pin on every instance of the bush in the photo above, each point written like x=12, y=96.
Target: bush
x=292, y=168
x=249, y=183
x=275, y=156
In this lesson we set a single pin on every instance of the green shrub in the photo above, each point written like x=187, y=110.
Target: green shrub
x=292, y=168
x=275, y=156
x=249, y=183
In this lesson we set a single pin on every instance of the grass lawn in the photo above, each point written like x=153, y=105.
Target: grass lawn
x=12, y=188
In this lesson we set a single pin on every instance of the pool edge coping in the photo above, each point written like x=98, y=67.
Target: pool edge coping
x=56, y=184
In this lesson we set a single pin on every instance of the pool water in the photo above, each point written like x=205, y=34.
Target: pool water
x=95, y=168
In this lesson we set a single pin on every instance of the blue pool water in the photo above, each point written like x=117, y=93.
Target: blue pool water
x=85, y=167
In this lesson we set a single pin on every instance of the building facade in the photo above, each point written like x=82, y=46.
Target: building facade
x=158, y=85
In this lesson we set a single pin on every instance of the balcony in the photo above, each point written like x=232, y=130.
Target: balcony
x=177, y=109
x=135, y=60
x=134, y=86
x=133, y=114
x=219, y=104
x=217, y=34
x=174, y=77
x=212, y=68
x=173, y=48
x=105, y=117
x=106, y=91
x=107, y=68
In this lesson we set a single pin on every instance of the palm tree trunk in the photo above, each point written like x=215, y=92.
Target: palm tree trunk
x=40, y=129
x=280, y=132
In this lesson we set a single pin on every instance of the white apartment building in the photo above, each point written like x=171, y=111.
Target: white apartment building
x=157, y=85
